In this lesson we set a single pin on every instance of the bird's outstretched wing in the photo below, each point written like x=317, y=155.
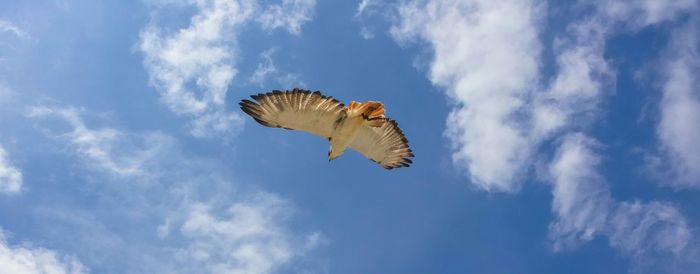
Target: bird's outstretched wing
x=295, y=109
x=386, y=145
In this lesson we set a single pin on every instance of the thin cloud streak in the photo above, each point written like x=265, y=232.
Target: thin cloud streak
x=6, y=26
x=102, y=148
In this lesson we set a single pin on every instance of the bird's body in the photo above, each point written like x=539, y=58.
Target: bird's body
x=343, y=134
x=348, y=125
x=361, y=126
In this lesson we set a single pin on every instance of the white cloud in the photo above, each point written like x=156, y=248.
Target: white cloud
x=7, y=96
x=6, y=26
x=188, y=234
x=289, y=15
x=363, y=6
x=267, y=70
x=583, y=76
x=581, y=80
x=581, y=199
x=642, y=228
x=585, y=209
x=646, y=12
x=679, y=125
x=10, y=176
x=249, y=238
x=105, y=148
x=486, y=56
x=290, y=80
x=193, y=67
x=369, y=10
x=366, y=33
x=26, y=259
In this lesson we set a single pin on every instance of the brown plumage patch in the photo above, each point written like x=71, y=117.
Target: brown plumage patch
x=374, y=109
x=370, y=110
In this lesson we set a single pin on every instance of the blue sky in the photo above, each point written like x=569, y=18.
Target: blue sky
x=550, y=137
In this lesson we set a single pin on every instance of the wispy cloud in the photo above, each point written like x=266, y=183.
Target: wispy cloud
x=6, y=26
x=486, y=57
x=367, y=9
x=199, y=220
x=289, y=15
x=585, y=209
x=10, y=176
x=193, y=67
x=581, y=198
x=364, y=6
x=248, y=238
x=267, y=70
x=29, y=259
x=7, y=95
x=679, y=127
x=647, y=229
x=583, y=75
x=106, y=148
x=638, y=14
x=654, y=234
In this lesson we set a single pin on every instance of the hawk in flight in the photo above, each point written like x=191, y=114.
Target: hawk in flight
x=360, y=126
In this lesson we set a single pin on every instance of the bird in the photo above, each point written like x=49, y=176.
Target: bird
x=361, y=126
